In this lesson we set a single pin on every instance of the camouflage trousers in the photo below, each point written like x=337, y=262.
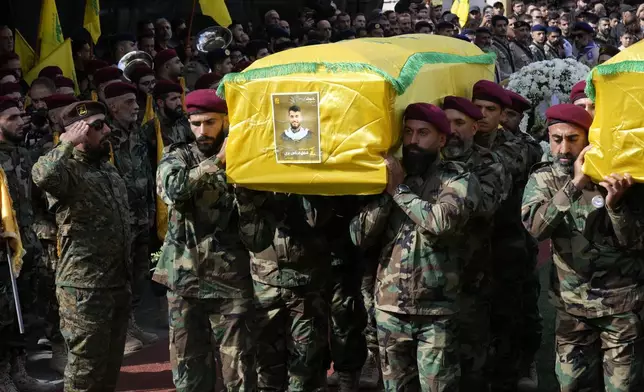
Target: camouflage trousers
x=367, y=289
x=611, y=346
x=47, y=294
x=418, y=353
x=348, y=319
x=140, y=266
x=201, y=327
x=292, y=340
x=515, y=319
x=474, y=338
x=94, y=324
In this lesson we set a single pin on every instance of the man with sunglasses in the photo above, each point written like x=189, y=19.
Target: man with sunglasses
x=203, y=263
x=93, y=272
x=129, y=154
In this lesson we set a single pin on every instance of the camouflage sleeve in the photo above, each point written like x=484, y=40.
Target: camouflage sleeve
x=256, y=225
x=51, y=173
x=367, y=227
x=458, y=199
x=544, y=207
x=628, y=228
x=176, y=182
x=494, y=185
x=513, y=156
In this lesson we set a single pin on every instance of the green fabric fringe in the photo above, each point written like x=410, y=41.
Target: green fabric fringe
x=611, y=69
x=407, y=74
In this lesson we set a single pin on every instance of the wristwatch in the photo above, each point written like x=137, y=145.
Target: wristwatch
x=402, y=188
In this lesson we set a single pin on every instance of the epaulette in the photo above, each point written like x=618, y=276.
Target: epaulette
x=540, y=166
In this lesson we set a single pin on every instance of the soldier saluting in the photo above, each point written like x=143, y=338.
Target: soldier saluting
x=92, y=215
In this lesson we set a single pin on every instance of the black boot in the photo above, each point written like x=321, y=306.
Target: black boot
x=348, y=381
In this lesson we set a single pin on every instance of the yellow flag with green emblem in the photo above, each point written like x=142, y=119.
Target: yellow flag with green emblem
x=91, y=21
x=61, y=57
x=50, y=33
x=26, y=53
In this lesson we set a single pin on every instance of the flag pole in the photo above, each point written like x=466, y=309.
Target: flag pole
x=14, y=288
x=192, y=16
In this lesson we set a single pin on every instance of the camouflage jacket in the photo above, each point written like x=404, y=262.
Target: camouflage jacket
x=171, y=132
x=90, y=200
x=424, y=229
x=495, y=186
x=202, y=255
x=45, y=220
x=598, y=253
x=504, y=57
x=285, y=233
x=522, y=55
x=538, y=52
x=16, y=163
x=131, y=161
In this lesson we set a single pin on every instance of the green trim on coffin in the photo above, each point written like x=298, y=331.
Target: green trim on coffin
x=611, y=69
x=407, y=74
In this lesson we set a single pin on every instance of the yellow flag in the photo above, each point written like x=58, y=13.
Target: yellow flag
x=26, y=53
x=149, y=110
x=10, y=228
x=217, y=10
x=61, y=57
x=91, y=21
x=461, y=8
x=162, y=208
x=50, y=34
x=182, y=82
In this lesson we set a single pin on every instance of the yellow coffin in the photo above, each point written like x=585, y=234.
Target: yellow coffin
x=617, y=132
x=351, y=96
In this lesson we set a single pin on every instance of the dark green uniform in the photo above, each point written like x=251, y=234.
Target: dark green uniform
x=94, y=271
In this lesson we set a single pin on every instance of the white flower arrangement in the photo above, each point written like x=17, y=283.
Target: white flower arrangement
x=546, y=83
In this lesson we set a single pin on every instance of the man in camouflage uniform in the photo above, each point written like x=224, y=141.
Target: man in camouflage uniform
x=597, y=233
x=46, y=231
x=203, y=262
x=290, y=266
x=417, y=290
x=520, y=45
x=474, y=317
x=93, y=272
x=511, y=260
x=16, y=163
x=501, y=46
x=130, y=157
x=348, y=347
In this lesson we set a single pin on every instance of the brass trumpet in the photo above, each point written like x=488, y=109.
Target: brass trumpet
x=131, y=60
x=212, y=38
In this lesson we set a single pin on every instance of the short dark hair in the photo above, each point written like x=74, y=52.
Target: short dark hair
x=78, y=44
x=483, y=30
x=608, y=50
x=497, y=18
x=444, y=26
x=423, y=23
x=294, y=108
x=45, y=82
x=614, y=15
x=498, y=4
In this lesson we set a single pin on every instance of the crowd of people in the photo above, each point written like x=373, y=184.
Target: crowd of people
x=429, y=286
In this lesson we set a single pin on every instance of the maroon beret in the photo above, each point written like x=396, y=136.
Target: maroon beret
x=242, y=65
x=570, y=114
x=7, y=103
x=163, y=57
x=106, y=74
x=166, y=87
x=429, y=113
x=206, y=80
x=464, y=106
x=50, y=72
x=118, y=89
x=62, y=81
x=59, y=101
x=139, y=72
x=10, y=88
x=490, y=91
x=578, y=91
x=91, y=66
x=205, y=101
x=519, y=103
x=81, y=110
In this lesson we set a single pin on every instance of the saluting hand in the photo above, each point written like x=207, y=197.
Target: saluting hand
x=75, y=133
x=616, y=185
